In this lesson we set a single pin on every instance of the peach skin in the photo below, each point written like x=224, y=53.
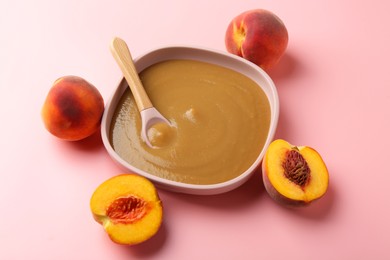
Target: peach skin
x=258, y=36
x=73, y=108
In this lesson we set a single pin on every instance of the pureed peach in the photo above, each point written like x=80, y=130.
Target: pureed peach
x=222, y=120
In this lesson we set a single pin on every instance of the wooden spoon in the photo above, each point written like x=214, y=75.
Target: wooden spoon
x=149, y=114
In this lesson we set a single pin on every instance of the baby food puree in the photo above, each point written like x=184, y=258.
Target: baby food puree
x=220, y=121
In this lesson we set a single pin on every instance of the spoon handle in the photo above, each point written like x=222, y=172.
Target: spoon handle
x=122, y=55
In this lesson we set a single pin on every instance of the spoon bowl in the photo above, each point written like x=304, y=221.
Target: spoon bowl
x=149, y=117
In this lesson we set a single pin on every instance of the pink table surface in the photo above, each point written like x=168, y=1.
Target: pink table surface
x=334, y=89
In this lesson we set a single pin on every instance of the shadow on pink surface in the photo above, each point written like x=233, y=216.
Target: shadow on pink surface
x=89, y=144
x=283, y=131
x=317, y=210
x=322, y=208
x=150, y=247
x=245, y=195
x=287, y=68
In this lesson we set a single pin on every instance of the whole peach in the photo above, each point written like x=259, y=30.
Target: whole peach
x=258, y=36
x=73, y=108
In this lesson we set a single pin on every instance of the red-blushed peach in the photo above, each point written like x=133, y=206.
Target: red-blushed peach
x=73, y=108
x=259, y=36
x=294, y=175
x=129, y=208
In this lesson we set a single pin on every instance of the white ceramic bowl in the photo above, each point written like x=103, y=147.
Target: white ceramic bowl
x=200, y=54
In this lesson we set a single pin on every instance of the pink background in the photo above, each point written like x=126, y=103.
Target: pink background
x=334, y=89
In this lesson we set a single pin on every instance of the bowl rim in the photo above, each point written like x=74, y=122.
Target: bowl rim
x=207, y=55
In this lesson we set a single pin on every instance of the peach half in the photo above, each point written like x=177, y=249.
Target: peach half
x=128, y=207
x=73, y=108
x=294, y=175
